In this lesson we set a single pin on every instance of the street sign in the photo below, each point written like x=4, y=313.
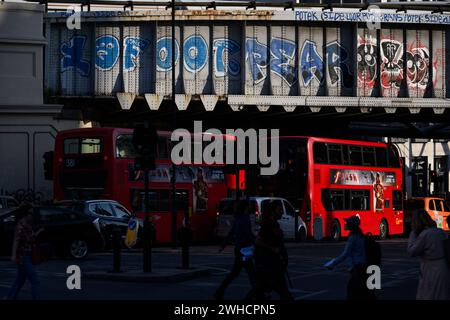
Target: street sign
x=132, y=233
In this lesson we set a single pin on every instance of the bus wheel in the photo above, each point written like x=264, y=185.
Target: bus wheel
x=336, y=231
x=384, y=229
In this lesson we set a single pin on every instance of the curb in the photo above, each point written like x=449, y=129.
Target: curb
x=153, y=277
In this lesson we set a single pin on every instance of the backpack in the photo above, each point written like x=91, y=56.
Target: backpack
x=372, y=250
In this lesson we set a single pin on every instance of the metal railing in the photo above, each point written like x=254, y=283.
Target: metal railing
x=433, y=6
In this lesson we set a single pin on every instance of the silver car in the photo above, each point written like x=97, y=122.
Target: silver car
x=258, y=205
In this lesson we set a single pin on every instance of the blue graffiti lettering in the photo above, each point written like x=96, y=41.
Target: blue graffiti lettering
x=132, y=48
x=164, y=54
x=195, y=51
x=283, y=59
x=337, y=64
x=106, y=52
x=311, y=63
x=72, y=52
x=222, y=46
x=256, y=54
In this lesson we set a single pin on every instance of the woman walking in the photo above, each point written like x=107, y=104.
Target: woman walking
x=355, y=253
x=242, y=234
x=271, y=257
x=24, y=240
x=426, y=242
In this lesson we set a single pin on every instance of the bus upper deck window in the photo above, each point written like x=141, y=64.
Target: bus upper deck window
x=381, y=156
x=355, y=155
x=335, y=153
x=320, y=152
x=369, y=156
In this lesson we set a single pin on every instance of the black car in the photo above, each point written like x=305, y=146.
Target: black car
x=106, y=214
x=7, y=203
x=66, y=232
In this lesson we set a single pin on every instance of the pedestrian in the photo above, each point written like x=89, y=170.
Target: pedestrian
x=242, y=234
x=426, y=242
x=24, y=240
x=355, y=254
x=271, y=257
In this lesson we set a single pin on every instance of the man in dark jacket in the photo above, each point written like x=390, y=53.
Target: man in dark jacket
x=242, y=234
x=271, y=257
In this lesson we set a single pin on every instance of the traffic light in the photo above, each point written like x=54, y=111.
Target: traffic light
x=48, y=165
x=145, y=141
x=433, y=176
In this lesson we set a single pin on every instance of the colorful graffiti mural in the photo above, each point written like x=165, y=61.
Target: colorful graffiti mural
x=417, y=66
x=72, y=56
x=391, y=52
x=417, y=62
x=366, y=60
x=311, y=63
x=304, y=60
x=133, y=47
x=226, y=50
x=337, y=61
x=107, y=51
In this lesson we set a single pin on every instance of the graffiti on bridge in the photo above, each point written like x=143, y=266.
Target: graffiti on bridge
x=393, y=69
x=279, y=57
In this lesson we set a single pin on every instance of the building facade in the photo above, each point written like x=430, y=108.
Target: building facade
x=426, y=164
x=27, y=126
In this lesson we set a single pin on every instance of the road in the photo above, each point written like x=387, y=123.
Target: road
x=310, y=280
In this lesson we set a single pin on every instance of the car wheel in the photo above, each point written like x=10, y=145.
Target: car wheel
x=301, y=237
x=336, y=231
x=78, y=249
x=384, y=229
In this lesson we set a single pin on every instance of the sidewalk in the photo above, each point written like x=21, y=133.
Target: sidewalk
x=158, y=275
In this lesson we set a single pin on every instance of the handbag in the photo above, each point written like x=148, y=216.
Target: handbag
x=446, y=243
x=247, y=253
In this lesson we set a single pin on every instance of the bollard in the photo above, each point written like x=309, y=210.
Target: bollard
x=116, y=249
x=147, y=245
x=185, y=237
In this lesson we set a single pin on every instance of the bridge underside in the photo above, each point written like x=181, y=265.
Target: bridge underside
x=301, y=121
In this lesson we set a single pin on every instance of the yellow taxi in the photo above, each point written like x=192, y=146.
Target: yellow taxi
x=437, y=208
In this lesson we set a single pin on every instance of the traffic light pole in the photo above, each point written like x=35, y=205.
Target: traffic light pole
x=174, y=174
x=147, y=227
x=145, y=141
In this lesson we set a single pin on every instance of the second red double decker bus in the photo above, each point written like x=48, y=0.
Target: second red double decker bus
x=332, y=179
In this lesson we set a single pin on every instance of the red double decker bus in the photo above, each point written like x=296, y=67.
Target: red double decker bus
x=331, y=179
x=98, y=163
